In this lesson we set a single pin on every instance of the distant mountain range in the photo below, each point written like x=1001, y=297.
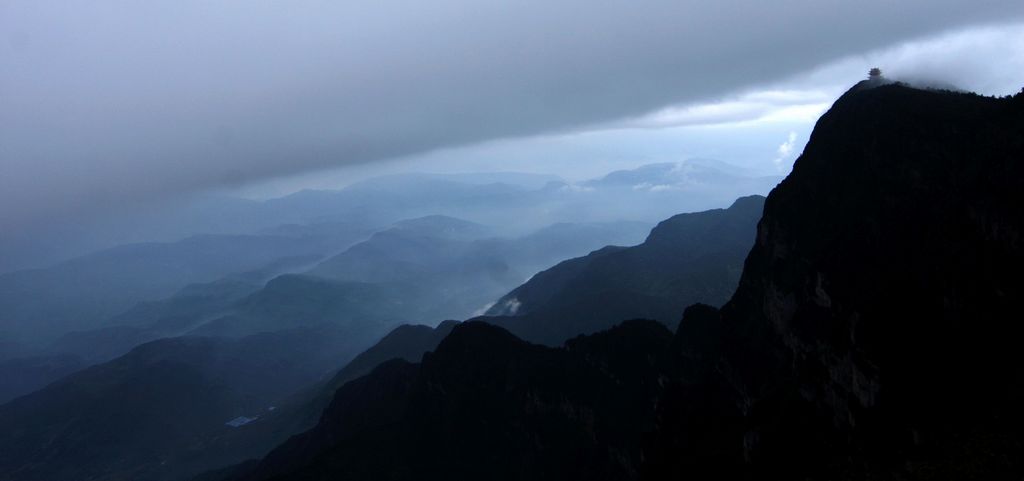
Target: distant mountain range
x=420, y=270
x=521, y=202
x=38, y=305
x=352, y=300
x=233, y=237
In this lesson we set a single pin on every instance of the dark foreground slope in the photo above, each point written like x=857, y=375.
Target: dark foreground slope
x=487, y=405
x=302, y=410
x=874, y=335
x=686, y=259
x=160, y=411
x=876, y=330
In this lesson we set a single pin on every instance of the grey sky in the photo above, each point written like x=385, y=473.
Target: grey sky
x=104, y=102
x=746, y=128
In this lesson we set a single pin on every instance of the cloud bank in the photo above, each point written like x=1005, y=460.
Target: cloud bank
x=106, y=101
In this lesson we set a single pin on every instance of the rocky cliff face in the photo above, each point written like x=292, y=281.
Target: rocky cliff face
x=875, y=327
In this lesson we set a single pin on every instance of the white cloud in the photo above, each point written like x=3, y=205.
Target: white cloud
x=987, y=60
x=483, y=310
x=769, y=105
x=785, y=150
x=576, y=188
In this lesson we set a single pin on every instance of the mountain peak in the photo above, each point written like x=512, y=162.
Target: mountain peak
x=477, y=339
x=893, y=243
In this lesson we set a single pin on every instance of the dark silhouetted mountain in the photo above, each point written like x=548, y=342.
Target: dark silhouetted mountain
x=156, y=412
x=874, y=335
x=486, y=405
x=686, y=259
x=408, y=342
x=303, y=410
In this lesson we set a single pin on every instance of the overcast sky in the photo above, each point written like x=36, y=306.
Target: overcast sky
x=105, y=102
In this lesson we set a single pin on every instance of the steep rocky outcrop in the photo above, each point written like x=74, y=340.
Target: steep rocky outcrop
x=875, y=329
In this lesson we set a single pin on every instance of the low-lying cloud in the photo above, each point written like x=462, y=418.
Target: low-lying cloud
x=105, y=102
x=785, y=150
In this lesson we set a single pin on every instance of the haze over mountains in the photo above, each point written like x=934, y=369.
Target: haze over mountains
x=516, y=203
x=331, y=258
x=290, y=233
x=419, y=271
x=301, y=327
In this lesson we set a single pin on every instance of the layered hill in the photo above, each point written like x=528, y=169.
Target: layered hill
x=39, y=305
x=686, y=259
x=443, y=275
x=160, y=411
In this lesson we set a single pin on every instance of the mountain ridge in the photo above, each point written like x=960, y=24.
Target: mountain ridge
x=688, y=258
